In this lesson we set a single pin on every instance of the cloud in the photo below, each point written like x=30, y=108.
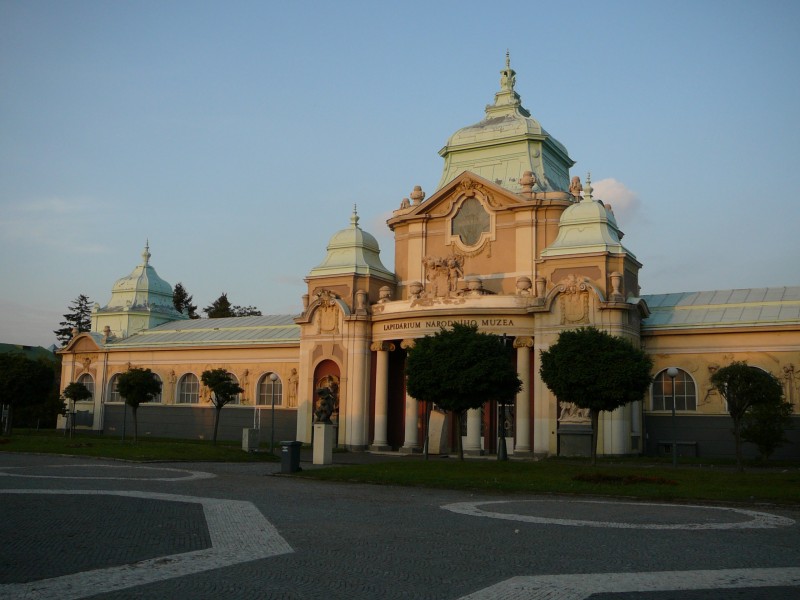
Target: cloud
x=624, y=201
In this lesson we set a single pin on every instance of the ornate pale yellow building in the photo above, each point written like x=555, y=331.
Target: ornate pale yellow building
x=509, y=242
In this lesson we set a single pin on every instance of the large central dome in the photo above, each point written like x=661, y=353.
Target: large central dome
x=505, y=144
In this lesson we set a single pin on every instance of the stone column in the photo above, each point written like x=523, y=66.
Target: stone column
x=472, y=445
x=522, y=443
x=411, y=437
x=357, y=385
x=541, y=410
x=380, y=440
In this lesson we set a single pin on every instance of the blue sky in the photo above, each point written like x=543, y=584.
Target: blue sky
x=237, y=136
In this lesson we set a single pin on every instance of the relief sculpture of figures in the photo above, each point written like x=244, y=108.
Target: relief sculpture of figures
x=443, y=275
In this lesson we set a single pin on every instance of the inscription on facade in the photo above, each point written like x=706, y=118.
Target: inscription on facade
x=439, y=323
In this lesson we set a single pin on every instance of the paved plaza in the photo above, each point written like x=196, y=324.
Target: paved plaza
x=87, y=528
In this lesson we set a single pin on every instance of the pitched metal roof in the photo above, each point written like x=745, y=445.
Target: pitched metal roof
x=724, y=308
x=233, y=331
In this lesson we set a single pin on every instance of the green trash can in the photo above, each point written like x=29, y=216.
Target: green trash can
x=290, y=457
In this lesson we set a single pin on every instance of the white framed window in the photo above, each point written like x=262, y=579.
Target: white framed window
x=88, y=383
x=188, y=389
x=267, y=387
x=237, y=399
x=113, y=390
x=685, y=392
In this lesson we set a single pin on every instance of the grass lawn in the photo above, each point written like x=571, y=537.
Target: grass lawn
x=84, y=444
x=634, y=478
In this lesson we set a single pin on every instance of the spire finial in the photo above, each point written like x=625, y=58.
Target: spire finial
x=587, y=191
x=354, y=217
x=146, y=254
x=507, y=77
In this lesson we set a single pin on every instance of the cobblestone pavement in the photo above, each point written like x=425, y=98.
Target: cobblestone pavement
x=86, y=528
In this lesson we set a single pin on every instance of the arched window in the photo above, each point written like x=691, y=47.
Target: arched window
x=237, y=399
x=188, y=389
x=88, y=382
x=685, y=394
x=266, y=388
x=113, y=391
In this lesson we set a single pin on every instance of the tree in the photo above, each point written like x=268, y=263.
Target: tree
x=745, y=387
x=223, y=389
x=138, y=385
x=221, y=308
x=23, y=382
x=596, y=371
x=245, y=311
x=75, y=392
x=79, y=317
x=460, y=369
x=765, y=426
x=183, y=302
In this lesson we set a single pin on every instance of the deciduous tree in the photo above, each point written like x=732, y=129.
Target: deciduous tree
x=138, y=385
x=79, y=318
x=459, y=369
x=23, y=382
x=75, y=392
x=596, y=371
x=765, y=426
x=744, y=388
x=223, y=391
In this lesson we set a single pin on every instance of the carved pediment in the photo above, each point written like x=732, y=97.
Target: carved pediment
x=466, y=185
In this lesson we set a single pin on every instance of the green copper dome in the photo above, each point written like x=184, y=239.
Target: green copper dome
x=353, y=250
x=505, y=144
x=585, y=227
x=143, y=288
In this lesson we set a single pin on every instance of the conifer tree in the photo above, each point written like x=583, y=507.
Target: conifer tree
x=220, y=308
x=79, y=317
x=183, y=302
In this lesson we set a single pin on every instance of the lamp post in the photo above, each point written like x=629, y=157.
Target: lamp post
x=273, y=378
x=672, y=373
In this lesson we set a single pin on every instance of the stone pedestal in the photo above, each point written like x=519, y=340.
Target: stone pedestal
x=250, y=440
x=574, y=440
x=323, y=443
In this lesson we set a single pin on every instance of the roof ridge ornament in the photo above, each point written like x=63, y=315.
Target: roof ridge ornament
x=354, y=217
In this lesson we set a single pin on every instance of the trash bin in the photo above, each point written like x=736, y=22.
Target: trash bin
x=290, y=457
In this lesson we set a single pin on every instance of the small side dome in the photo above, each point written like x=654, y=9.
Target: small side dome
x=352, y=250
x=587, y=226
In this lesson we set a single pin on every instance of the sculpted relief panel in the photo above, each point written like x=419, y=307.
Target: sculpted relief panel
x=442, y=275
x=327, y=315
x=574, y=301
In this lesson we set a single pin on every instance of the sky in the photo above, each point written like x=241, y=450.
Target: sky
x=237, y=136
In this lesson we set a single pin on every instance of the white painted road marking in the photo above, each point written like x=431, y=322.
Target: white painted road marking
x=187, y=474
x=582, y=586
x=758, y=520
x=239, y=533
